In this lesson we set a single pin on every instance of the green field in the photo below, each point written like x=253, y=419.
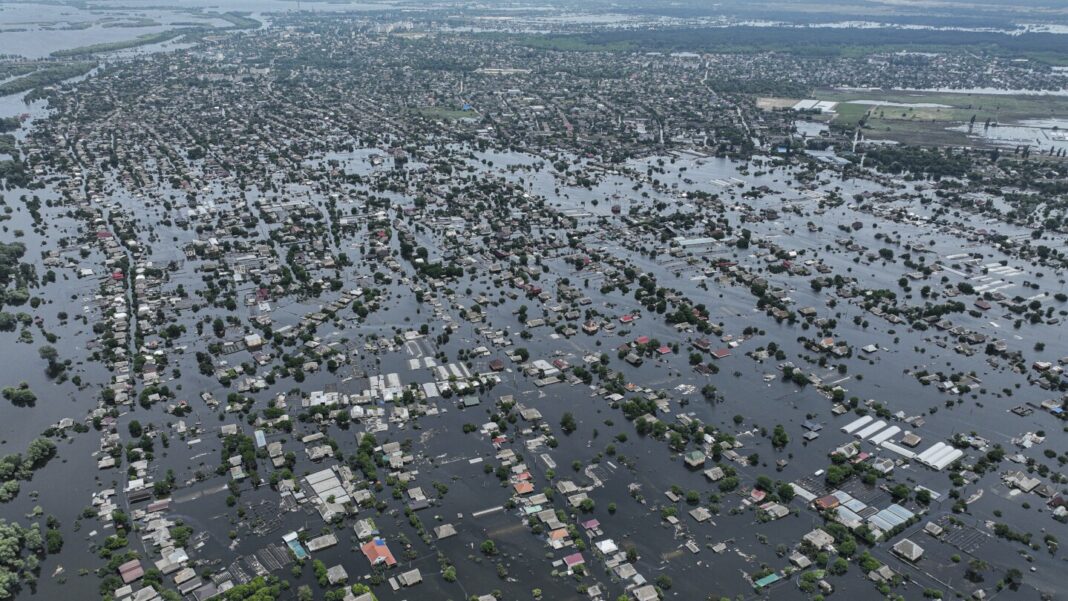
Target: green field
x=142, y=40
x=928, y=124
x=811, y=41
x=961, y=107
x=46, y=76
x=849, y=115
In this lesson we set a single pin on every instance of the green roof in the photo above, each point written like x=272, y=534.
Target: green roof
x=769, y=579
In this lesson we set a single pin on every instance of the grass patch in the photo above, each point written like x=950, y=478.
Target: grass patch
x=918, y=133
x=769, y=103
x=812, y=41
x=141, y=40
x=44, y=77
x=238, y=20
x=957, y=107
x=848, y=116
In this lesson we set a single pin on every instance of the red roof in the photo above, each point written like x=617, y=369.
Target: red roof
x=377, y=552
x=134, y=574
x=523, y=488
x=131, y=570
x=828, y=502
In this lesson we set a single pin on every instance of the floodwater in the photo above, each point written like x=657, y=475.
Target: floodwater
x=444, y=454
x=37, y=30
x=918, y=105
x=1039, y=134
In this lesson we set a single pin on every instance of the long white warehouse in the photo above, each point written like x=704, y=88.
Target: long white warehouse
x=856, y=424
x=885, y=435
x=931, y=452
x=943, y=457
x=907, y=454
x=870, y=429
x=944, y=460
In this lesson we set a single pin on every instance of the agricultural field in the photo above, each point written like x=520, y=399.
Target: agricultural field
x=918, y=117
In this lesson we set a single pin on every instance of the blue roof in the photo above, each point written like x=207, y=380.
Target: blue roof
x=900, y=511
x=880, y=522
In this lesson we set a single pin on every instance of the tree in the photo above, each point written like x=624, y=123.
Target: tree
x=975, y=570
x=135, y=429
x=786, y=492
x=53, y=541
x=11, y=560
x=900, y=492
x=33, y=539
x=1013, y=577
x=567, y=423
x=321, y=573
x=847, y=547
x=258, y=589
x=779, y=438
x=20, y=396
x=49, y=353
x=488, y=547
x=40, y=451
